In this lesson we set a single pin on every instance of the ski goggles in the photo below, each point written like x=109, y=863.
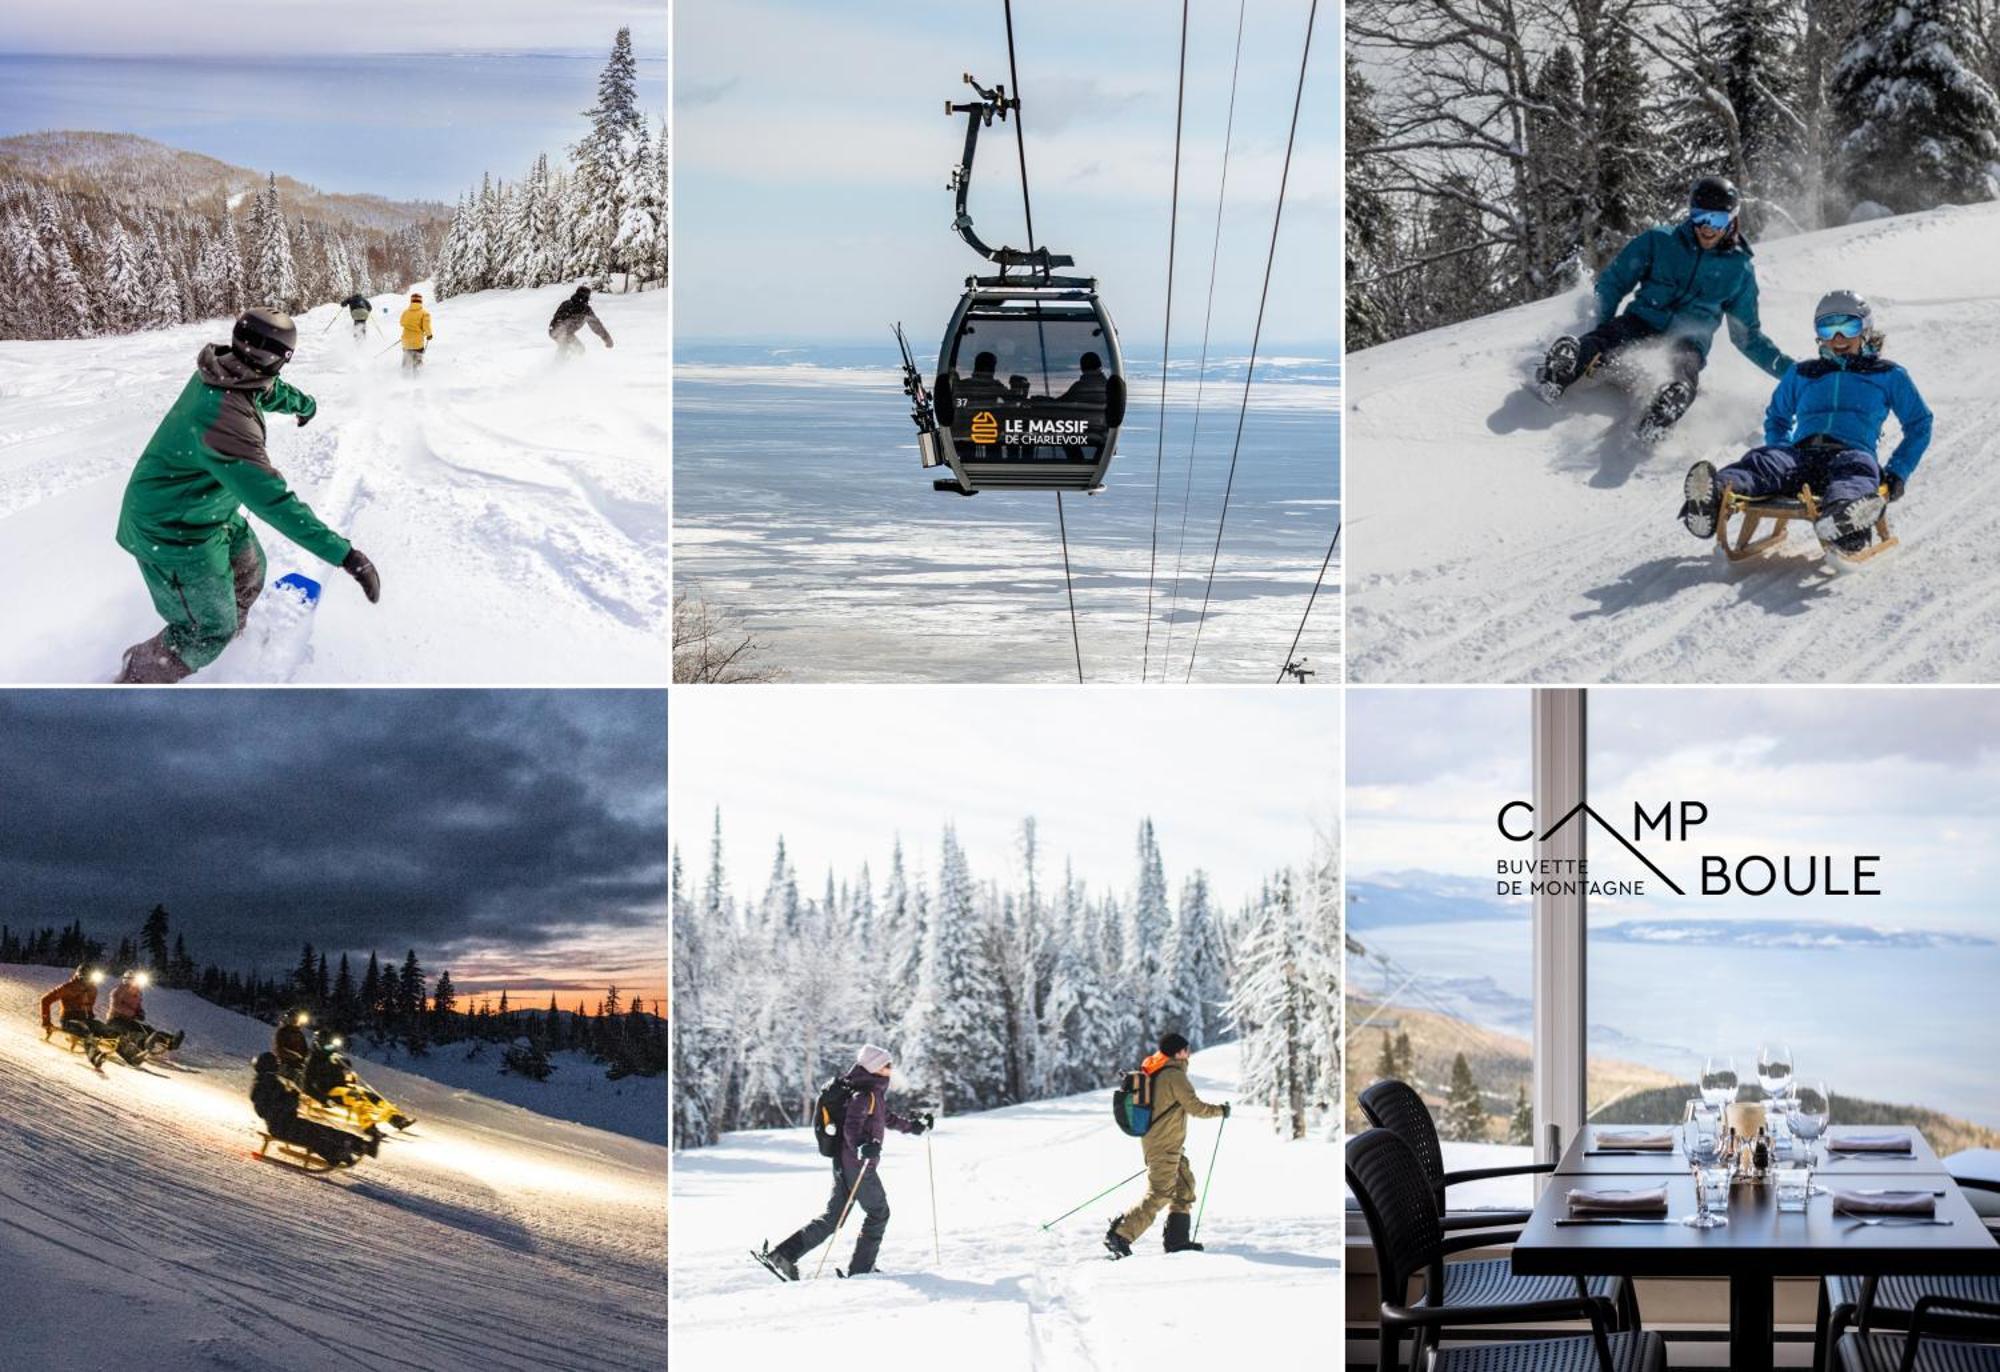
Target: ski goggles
x=1838, y=326
x=1712, y=219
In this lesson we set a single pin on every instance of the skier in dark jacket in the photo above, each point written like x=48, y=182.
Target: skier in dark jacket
x=570, y=317
x=855, y=1171
x=1822, y=429
x=291, y=1044
x=1688, y=279
x=182, y=518
x=359, y=307
x=276, y=1102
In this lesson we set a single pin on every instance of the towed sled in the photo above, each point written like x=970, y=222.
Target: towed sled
x=271, y=1148
x=1752, y=514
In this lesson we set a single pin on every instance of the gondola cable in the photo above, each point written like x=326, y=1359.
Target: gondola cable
x=1256, y=337
x=1208, y=316
x=1166, y=344
x=1292, y=665
x=1028, y=214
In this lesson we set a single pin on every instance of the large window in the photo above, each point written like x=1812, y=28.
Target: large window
x=1886, y=999
x=1440, y=975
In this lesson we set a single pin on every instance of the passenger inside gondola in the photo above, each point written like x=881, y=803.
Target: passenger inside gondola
x=1093, y=386
x=982, y=387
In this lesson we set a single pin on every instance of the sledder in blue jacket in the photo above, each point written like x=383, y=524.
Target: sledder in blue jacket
x=1822, y=430
x=1685, y=281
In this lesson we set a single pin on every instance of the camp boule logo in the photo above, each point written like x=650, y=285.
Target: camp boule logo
x=1673, y=822
x=985, y=429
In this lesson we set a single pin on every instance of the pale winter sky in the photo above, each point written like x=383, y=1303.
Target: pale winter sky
x=1911, y=775
x=301, y=28
x=812, y=153
x=1236, y=781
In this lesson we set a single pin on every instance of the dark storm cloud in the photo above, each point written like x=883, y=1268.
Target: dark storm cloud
x=356, y=819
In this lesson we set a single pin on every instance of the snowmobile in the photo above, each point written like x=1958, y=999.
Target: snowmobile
x=1628, y=369
x=334, y=1094
x=1751, y=513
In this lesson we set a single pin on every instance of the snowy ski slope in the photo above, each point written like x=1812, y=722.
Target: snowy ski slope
x=1007, y=1295
x=1497, y=540
x=135, y=1222
x=517, y=509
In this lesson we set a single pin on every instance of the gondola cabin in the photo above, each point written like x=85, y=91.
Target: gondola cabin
x=1030, y=389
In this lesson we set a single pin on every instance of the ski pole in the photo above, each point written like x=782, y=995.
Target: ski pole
x=1094, y=1199
x=392, y=343
x=842, y=1222
x=937, y=1251
x=329, y=322
x=1207, y=1179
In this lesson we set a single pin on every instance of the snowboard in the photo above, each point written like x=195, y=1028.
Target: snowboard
x=764, y=1261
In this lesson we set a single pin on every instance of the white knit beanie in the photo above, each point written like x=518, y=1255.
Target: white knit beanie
x=874, y=1059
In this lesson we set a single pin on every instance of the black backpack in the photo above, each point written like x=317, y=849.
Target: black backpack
x=830, y=1115
x=1132, y=1103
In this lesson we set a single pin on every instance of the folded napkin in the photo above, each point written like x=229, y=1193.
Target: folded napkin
x=1649, y=1140
x=1651, y=1200
x=1869, y=1143
x=1884, y=1202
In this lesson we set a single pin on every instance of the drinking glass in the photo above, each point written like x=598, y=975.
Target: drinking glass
x=1774, y=1071
x=1812, y=1109
x=1703, y=1140
x=1711, y=1198
x=1793, y=1183
x=1718, y=1080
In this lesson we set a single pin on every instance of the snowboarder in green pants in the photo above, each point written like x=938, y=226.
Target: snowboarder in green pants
x=182, y=518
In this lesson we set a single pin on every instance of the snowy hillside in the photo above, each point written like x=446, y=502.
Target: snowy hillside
x=517, y=509
x=1500, y=540
x=576, y=1088
x=134, y=1217
x=1006, y=1294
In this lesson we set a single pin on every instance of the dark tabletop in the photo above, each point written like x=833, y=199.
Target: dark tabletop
x=1583, y=1157
x=1758, y=1240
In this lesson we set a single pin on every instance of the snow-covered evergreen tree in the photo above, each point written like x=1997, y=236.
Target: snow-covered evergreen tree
x=274, y=279
x=124, y=282
x=67, y=307
x=604, y=160
x=1918, y=124
x=954, y=1048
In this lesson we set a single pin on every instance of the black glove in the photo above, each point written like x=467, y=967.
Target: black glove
x=919, y=1123
x=306, y=419
x=1895, y=484
x=1225, y=1109
x=869, y=1150
x=357, y=565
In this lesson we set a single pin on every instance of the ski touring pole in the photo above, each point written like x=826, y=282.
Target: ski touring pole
x=937, y=1250
x=1094, y=1199
x=841, y=1223
x=1196, y=1231
x=329, y=321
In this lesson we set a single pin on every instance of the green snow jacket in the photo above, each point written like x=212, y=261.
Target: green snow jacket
x=207, y=460
x=1686, y=290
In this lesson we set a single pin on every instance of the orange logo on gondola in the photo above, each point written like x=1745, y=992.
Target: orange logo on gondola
x=985, y=429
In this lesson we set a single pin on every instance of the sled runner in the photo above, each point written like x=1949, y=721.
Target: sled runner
x=78, y=1043
x=291, y=1154
x=1780, y=511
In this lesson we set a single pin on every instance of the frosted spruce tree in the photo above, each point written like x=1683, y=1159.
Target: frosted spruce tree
x=67, y=307
x=953, y=1044
x=604, y=161
x=274, y=279
x=1918, y=126
x=1150, y=931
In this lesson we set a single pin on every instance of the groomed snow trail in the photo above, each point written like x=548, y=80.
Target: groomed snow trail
x=135, y=1220
x=516, y=507
x=1495, y=539
x=1007, y=1295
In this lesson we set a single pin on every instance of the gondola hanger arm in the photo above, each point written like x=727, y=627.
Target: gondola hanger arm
x=992, y=104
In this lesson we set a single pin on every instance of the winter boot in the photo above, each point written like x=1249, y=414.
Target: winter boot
x=1558, y=369
x=152, y=663
x=1849, y=526
x=134, y=1055
x=1114, y=1242
x=94, y=1050
x=1670, y=402
x=782, y=1265
x=1178, y=1240
x=1701, y=497
x=176, y=1039
x=372, y=1145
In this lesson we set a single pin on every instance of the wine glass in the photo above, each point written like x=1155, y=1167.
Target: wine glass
x=1703, y=1141
x=1718, y=1080
x=1812, y=1110
x=1774, y=1071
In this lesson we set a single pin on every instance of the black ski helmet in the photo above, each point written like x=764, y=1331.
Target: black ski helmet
x=1714, y=193
x=265, y=339
x=266, y=1062
x=582, y=293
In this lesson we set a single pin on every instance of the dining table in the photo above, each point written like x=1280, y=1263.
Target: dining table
x=1760, y=1243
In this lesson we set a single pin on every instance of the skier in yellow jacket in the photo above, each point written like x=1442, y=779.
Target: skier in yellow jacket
x=416, y=324
x=1169, y=1178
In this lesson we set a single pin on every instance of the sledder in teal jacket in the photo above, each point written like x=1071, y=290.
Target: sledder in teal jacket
x=182, y=517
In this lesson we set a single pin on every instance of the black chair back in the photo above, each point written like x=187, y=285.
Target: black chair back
x=1396, y=1106
x=1395, y=1198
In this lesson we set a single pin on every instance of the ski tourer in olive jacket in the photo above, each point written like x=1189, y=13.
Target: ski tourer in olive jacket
x=207, y=460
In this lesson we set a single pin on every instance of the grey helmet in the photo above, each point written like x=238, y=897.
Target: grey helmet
x=265, y=339
x=1856, y=304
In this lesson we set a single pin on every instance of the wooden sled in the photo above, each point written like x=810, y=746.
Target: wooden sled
x=291, y=1154
x=1780, y=511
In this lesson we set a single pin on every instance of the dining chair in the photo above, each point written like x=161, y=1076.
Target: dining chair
x=1876, y=1303
x=1946, y=1334
x=1396, y=1106
x=1396, y=1201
